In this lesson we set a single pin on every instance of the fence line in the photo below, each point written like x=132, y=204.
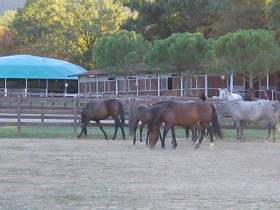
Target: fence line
x=24, y=110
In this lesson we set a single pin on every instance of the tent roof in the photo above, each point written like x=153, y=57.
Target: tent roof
x=34, y=67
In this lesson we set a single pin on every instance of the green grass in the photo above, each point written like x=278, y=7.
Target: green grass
x=95, y=133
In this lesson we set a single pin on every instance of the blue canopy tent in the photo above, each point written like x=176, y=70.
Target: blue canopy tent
x=33, y=73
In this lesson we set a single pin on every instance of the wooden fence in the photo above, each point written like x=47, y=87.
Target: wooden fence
x=19, y=110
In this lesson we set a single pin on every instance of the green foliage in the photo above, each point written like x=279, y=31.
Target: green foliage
x=249, y=51
x=241, y=14
x=273, y=15
x=185, y=51
x=160, y=18
x=120, y=49
x=7, y=19
x=67, y=28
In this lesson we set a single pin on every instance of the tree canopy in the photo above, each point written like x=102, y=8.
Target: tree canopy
x=121, y=50
x=274, y=17
x=248, y=51
x=67, y=28
x=185, y=51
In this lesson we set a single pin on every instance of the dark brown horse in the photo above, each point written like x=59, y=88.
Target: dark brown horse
x=100, y=110
x=185, y=115
x=144, y=114
x=249, y=95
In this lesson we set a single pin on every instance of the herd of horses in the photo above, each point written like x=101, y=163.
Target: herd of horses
x=201, y=117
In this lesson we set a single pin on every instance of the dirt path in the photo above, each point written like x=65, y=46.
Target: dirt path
x=100, y=174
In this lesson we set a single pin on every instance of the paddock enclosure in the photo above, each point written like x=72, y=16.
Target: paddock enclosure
x=105, y=174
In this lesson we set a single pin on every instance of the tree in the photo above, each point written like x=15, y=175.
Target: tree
x=160, y=18
x=8, y=38
x=241, y=14
x=68, y=28
x=251, y=52
x=274, y=17
x=186, y=52
x=120, y=51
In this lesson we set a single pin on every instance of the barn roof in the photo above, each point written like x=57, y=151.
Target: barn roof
x=35, y=67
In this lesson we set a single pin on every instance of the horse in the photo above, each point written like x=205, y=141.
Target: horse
x=202, y=96
x=102, y=109
x=144, y=114
x=228, y=96
x=185, y=115
x=249, y=95
x=192, y=128
x=264, y=95
x=260, y=111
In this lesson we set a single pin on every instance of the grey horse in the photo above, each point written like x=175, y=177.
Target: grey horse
x=261, y=111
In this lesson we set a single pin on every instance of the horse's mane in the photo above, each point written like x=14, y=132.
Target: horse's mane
x=202, y=96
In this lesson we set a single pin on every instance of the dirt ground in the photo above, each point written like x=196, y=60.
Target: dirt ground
x=106, y=174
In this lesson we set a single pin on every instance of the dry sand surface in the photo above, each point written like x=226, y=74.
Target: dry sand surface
x=105, y=174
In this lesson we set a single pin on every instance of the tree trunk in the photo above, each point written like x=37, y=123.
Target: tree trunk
x=251, y=80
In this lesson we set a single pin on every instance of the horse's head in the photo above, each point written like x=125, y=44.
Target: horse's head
x=153, y=137
x=223, y=93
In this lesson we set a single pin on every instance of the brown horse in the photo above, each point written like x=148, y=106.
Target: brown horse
x=155, y=108
x=144, y=114
x=185, y=115
x=249, y=95
x=100, y=110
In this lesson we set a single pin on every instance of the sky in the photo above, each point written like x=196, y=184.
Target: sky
x=10, y=4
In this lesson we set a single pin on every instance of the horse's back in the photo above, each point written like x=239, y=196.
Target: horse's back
x=247, y=110
x=187, y=113
x=142, y=113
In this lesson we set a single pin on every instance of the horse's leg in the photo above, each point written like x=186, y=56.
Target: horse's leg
x=242, y=124
x=101, y=128
x=202, y=134
x=134, y=130
x=173, y=137
x=165, y=131
x=141, y=130
x=117, y=125
x=238, y=129
x=84, y=129
x=211, y=136
x=194, y=133
x=121, y=126
x=273, y=134
x=187, y=132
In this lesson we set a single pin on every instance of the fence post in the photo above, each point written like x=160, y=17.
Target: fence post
x=75, y=115
x=18, y=114
x=132, y=116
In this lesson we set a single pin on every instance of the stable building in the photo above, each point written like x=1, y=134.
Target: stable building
x=96, y=83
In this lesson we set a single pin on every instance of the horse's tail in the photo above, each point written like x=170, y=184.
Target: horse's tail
x=215, y=122
x=121, y=112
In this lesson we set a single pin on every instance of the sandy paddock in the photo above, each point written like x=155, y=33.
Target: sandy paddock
x=106, y=174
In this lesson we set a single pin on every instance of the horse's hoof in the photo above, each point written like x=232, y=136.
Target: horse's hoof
x=212, y=146
x=196, y=146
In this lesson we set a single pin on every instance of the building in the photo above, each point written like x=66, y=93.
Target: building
x=97, y=83
x=28, y=73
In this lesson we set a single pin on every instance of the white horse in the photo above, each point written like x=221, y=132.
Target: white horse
x=228, y=96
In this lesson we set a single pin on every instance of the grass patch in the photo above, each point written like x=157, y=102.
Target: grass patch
x=64, y=132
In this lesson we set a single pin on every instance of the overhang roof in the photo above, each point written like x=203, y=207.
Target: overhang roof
x=35, y=67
